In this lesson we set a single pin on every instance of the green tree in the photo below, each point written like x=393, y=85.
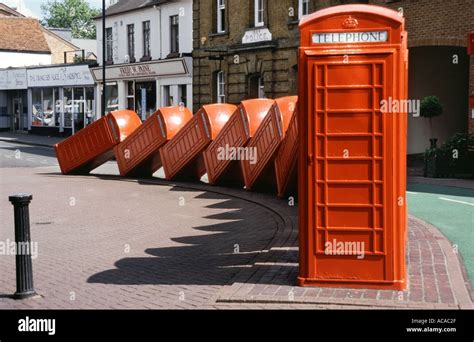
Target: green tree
x=430, y=108
x=74, y=14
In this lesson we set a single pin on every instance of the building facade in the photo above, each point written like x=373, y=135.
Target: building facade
x=38, y=92
x=248, y=48
x=47, y=100
x=148, y=54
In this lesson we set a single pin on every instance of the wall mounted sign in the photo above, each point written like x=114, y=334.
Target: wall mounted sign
x=13, y=79
x=163, y=68
x=350, y=37
x=255, y=36
x=60, y=76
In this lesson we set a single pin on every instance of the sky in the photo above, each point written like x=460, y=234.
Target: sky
x=32, y=8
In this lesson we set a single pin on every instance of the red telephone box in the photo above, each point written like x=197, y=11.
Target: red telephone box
x=352, y=152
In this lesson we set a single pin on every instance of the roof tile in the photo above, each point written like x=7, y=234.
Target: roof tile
x=22, y=34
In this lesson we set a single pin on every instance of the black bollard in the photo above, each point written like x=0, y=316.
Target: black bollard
x=24, y=267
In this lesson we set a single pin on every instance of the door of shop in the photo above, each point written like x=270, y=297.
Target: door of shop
x=18, y=115
x=351, y=165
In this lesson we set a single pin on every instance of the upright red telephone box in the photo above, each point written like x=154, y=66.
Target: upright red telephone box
x=352, y=148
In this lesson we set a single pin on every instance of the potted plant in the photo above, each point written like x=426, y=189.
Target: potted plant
x=431, y=107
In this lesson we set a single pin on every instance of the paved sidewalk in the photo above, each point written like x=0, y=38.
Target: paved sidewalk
x=106, y=242
x=29, y=139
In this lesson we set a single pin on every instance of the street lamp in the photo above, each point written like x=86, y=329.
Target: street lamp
x=103, y=58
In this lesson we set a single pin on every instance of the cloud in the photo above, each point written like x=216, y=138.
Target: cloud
x=22, y=8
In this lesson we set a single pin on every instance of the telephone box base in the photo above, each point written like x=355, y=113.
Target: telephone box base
x=376, y=285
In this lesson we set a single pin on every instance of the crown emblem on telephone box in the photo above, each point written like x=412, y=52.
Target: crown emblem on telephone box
x=350, y=23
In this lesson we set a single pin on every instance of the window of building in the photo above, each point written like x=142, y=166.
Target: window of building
x=48, y=107
x=261, y=88
x=89, y=110
x=45, y=113
x=131, y=95
x=146, y=39
x=167, y=99
x=79, y=104
x=109, y=39
x=221, y=16
x=79, y=107
x=37, y=107
x=183, y=95
x=57, y=107
x=303, y=8
x=111, y=97
x=67, y=105
x=256, y=86
x=145, y=98
x=259, y=13
x=174, y=34
x=220, y=87
x=131, y=42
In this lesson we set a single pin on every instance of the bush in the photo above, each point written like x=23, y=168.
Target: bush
x=452, y=158
x=430, y=107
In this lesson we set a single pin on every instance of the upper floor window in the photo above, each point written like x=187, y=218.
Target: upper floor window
x=109, y=41
x=303, y=8
x=259, y=13
x=146, y=39
x=220, y=87
x=256, y=87
x=221, y=16
x=131, y=41
x=174, y=34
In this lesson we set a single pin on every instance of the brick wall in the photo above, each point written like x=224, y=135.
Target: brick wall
x=275, y=60
x=57, y=47
x=429, y=23
x=438, y=23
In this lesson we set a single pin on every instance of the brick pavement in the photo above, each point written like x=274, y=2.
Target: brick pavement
x=112, y=243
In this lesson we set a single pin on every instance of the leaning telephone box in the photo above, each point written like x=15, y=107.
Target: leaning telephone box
x=242, y=125
x=352, y=148
x=94, y=145
x=138, y=155
x=182, y=155
x=286, y=157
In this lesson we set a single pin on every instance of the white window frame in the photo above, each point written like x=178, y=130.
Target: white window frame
x=261, y=88
x=259, y=10
x=301, y=12
x=109, y=40
x=220, y=18
x=220, y=86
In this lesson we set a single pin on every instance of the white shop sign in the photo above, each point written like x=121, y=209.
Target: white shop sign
x=165, y=68
x=350, y=37
x=256, y=36
x=78, y=75
x=13, y=79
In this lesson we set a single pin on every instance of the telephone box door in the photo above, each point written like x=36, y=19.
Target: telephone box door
x=350, y=166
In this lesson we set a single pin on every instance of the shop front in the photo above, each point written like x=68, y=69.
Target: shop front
x=13, y=100
x=61, y=100
x=145, y=87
